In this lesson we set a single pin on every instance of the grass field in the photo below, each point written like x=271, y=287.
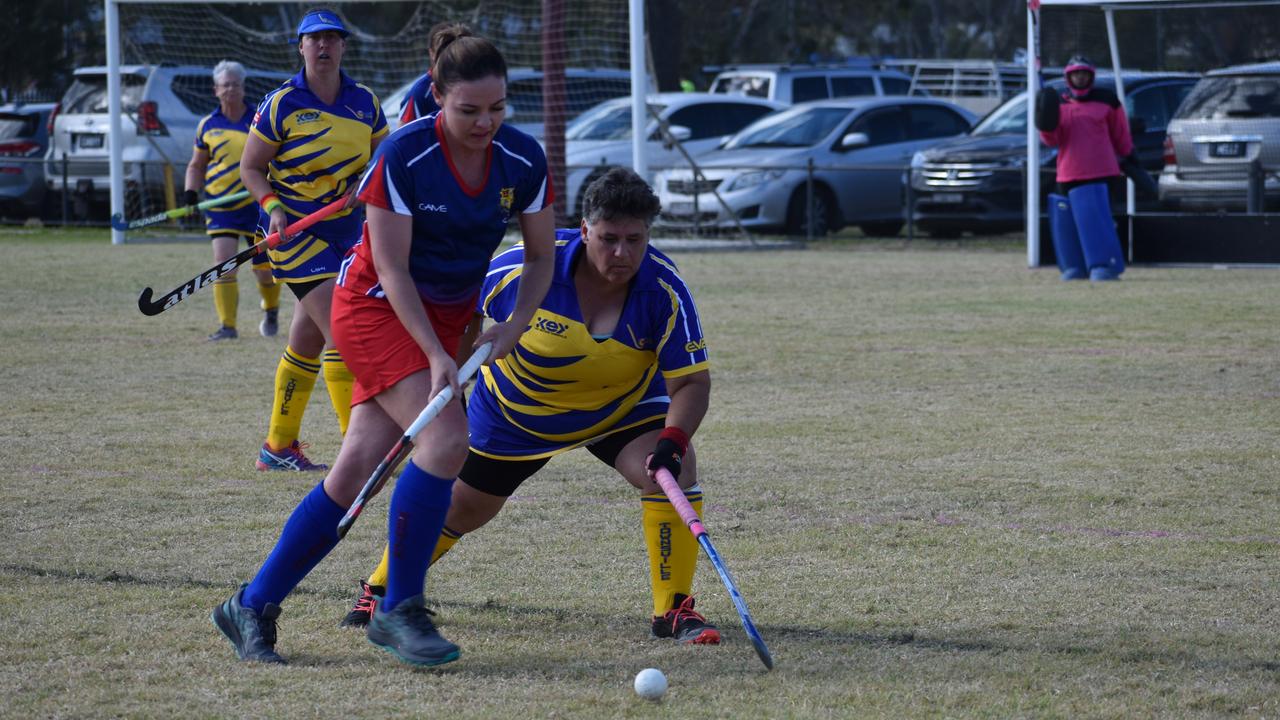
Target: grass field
x=948, y=487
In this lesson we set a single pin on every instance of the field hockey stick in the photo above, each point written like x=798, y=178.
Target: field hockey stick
x=180, y=293
x=405, y=444
x=690, y=517
x=118, y=222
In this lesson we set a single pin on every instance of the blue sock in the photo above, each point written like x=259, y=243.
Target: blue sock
x=418, y=506
x=309, y=534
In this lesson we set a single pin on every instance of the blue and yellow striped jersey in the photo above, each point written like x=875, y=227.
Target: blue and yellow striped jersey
x=223, y=139
x=560, y=387
x=321, y=149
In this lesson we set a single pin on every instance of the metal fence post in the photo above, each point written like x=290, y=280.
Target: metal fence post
x=911, y=209
x=1253, y=203
x=808, y=203
x=66, y=194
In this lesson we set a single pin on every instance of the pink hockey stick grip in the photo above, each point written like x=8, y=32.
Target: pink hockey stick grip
x=679, y=501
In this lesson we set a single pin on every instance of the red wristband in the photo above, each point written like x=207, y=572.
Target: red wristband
x=677, y=436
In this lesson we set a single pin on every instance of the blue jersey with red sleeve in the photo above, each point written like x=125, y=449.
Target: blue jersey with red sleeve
x=456, y=228
x=418, y=102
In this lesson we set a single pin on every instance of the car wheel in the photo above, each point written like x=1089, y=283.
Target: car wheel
x=824, y=211
x=886, y=228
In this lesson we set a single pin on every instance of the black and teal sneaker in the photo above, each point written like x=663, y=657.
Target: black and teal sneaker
x=252, y=634
x=684, y=625
x=408, y=633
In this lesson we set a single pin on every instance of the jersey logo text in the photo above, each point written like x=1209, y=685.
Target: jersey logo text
x=693, y=347
x=551, y=326
x=309, y=116
x=430, y=207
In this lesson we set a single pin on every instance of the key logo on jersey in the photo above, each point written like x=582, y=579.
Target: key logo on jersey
x=693, y=347
x=548, y=325
x=307, y=117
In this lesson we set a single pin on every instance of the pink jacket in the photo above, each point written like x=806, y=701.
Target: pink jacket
x=1091, y=134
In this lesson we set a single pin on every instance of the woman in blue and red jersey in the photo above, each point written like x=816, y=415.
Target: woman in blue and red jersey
x=439, y=197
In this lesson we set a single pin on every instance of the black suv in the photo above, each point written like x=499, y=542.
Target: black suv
x=975, y=182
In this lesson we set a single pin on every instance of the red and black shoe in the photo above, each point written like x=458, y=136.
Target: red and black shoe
x=364, y=607
x=684, y=625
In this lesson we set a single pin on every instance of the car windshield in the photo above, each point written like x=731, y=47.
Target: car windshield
x=88, y=94
x=1008, y=118
x=610, y=121
x=1245, y=96
x=794, y=127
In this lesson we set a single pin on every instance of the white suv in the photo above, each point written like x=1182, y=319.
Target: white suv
x=800, y=83
x=161, y=105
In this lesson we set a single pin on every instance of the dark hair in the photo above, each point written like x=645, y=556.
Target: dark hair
x=619, y=194
x=454, y=29
x=459, y=56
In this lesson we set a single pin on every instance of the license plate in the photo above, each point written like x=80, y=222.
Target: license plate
x=91, y=141
x=947, y=198
x=1226, y=150
x=680, y=208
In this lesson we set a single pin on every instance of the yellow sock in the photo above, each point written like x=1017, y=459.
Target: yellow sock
x=339, y=380
x=448, y=539
x=295, y=377
x=226, y=300
x=673, y=551
x=270, y=296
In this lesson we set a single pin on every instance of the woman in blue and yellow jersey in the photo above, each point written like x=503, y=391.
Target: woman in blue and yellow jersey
x=440, y=196
x=310, y=142
x=215, y=166
x=613, y=360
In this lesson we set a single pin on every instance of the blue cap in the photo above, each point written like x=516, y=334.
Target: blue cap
x=319, y=21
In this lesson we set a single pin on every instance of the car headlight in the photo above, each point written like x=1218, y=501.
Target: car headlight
x=753, y=178
x=917, y=160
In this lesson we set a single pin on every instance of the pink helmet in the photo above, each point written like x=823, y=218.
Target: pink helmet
x=1079, y=62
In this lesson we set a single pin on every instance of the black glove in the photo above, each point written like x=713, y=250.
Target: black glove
x=190, y=197
x=669, y=451
x=1047, y=110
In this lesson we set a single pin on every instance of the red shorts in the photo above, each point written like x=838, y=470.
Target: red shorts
x=378, y=349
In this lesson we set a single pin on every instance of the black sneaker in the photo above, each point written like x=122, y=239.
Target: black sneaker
x=684, y=625
x=224, y=333
x=408, y=633
x=366, y=603
x=253, y=635
x=270, y=324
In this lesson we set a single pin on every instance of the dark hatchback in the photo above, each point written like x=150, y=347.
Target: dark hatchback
x=975, y=182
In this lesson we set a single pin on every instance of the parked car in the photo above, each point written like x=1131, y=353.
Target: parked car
x=24, y=139
x=976, y=182
x=1230, y=119
x=601, y=137
x=161, y=106
x=584, y=87
x=859, y=148
x=801, y=83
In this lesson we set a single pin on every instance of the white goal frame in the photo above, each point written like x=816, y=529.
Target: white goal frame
x=1108, y=7
x=639, y=87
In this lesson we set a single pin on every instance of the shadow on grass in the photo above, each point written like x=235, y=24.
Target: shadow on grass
x=778, y=637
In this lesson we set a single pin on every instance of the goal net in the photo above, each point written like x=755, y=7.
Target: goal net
x=387, y=51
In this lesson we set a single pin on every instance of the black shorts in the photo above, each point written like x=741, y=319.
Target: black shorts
x=300, y=289
x=502, y=477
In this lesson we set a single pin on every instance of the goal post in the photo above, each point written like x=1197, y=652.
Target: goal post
x=563, y=56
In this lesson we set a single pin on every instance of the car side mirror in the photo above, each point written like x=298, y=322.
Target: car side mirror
x=854, y=140
x=510, y=112
x=675, y=134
